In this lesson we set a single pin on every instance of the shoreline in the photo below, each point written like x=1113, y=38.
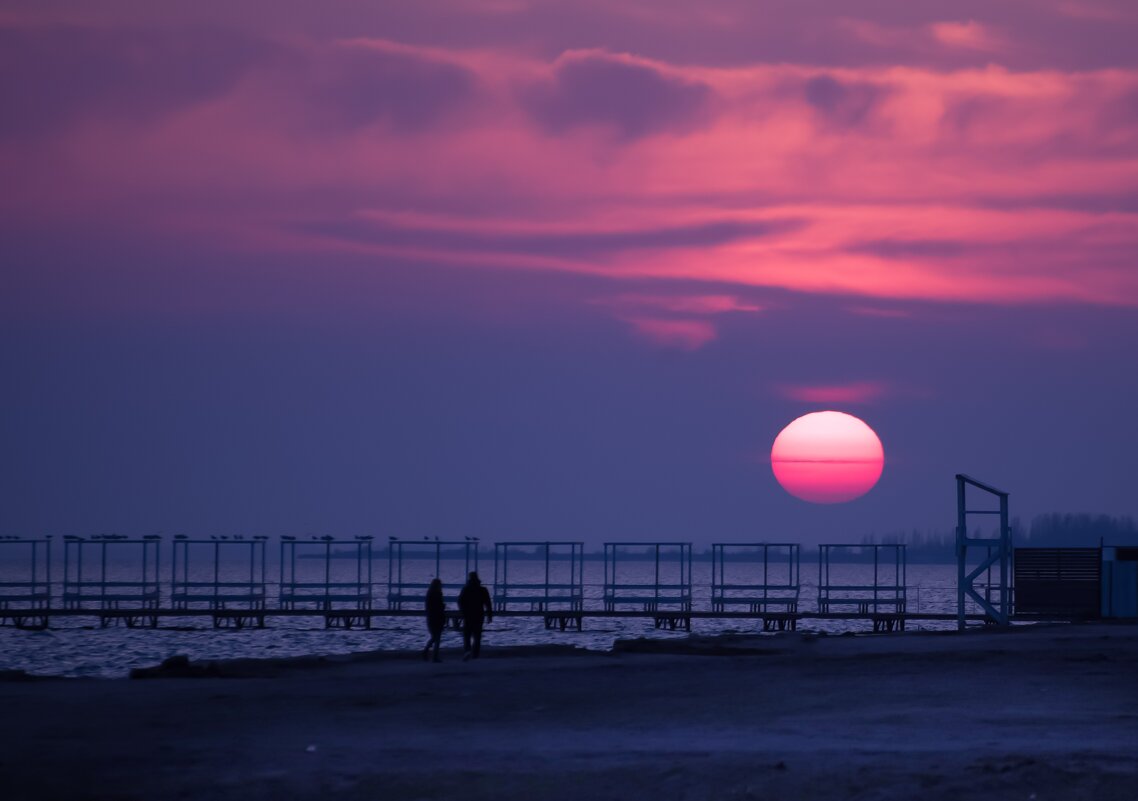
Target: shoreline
x=1051, y=710
x=718, y=644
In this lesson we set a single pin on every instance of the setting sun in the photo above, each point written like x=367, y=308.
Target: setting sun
x=827, y=457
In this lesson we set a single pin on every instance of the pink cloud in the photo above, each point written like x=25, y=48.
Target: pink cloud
x=875, y=33
x=878, y=173
x=680, y=328
x=970, y=35
x=680, y=303
x=1103, y=12
x=857, y=392
x=685, y=335
x=878, y=311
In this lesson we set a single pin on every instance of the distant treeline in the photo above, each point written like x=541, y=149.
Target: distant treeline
x=1046, y=531
x=1054, y=530
x=1074, y=530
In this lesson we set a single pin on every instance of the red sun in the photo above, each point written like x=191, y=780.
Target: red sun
x=827, y=457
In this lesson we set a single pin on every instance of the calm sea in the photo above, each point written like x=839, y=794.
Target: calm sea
x=79, y=647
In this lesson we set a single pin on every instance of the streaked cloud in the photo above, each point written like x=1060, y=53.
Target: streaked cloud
x=360, y=83
x=858, y=392
x=680, y=320
x=56, y=76
x=682, y=334
x=681, y=303
x=845, y=103
x=970, y=34
x=880, y=311
x=626, y=96
x=883, y=171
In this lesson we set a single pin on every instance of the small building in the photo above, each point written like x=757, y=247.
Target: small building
x=1076, y=583
x=1120, y=581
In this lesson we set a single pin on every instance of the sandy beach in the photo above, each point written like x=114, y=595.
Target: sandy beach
x=1035, y=713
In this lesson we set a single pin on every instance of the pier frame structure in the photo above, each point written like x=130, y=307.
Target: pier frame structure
x=560, y=593
x=995, y=554
x=764, y=577
x=884, y=601
x=115, y=577
x=235, y=588
x=25, y=582
x=668, y=596
x=337, y=583
x=412, y=564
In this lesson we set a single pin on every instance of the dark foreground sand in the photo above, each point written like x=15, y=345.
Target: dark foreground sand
x=1046, y=713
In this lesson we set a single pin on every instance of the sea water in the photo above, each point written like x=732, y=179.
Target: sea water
x=78, y=646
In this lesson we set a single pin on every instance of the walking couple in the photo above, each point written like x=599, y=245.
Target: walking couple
x=473, y=601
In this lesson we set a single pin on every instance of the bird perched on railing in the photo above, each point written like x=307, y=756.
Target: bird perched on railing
x=288, y=537
x=327, y=538
x=179, y=536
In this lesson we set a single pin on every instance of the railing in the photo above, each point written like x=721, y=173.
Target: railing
x=25, y=586
x=561, y=586
x=888, y=592
x=413, y=564
x=761, y=577
x=244, y=558
x=85, y=572
x=317, y=585
x=117, y=579
x=671, y=585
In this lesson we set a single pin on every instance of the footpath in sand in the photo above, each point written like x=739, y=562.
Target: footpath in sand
x=1036, y=713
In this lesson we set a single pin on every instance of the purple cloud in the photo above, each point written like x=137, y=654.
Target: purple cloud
x=846, y=104
x=583, y=243
x=915, y=248
x=635, y=100
x=53, y=76
x=409, y=92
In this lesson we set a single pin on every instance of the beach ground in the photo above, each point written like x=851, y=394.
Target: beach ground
x=1035, y=713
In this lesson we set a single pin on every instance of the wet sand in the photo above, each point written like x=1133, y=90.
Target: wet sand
x=1038, y=713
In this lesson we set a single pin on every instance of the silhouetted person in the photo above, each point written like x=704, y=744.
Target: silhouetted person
x=472, y=602
x=436, y=618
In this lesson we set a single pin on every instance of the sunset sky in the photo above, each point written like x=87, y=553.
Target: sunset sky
x=561, y=270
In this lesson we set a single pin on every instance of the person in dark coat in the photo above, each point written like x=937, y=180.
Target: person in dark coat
x=472, y=602
x=436, y=618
